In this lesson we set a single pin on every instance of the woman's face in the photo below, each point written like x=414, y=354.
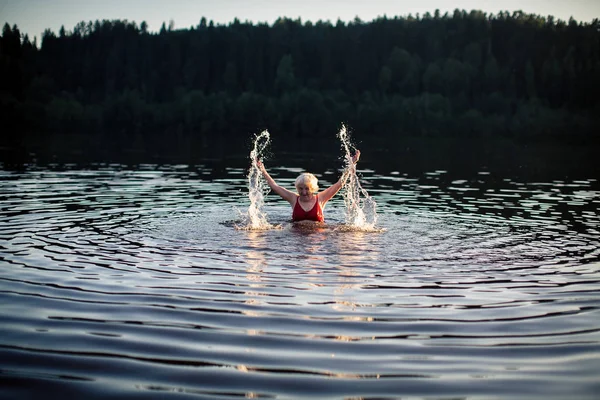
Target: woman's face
x=304, y=191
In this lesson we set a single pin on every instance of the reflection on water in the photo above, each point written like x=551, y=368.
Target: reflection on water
x=118, y=282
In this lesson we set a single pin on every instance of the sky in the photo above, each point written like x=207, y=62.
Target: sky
x=34, y=16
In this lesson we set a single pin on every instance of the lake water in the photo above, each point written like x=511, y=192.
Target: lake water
x=133, y=282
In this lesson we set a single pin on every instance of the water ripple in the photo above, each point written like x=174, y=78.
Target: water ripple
x=121, y=283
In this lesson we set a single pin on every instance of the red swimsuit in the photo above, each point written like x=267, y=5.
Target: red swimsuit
x=314, y=214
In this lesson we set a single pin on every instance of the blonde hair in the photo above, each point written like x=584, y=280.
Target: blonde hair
x=309, y=180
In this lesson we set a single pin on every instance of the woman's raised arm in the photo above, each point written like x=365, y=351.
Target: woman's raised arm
x=283, y=192
x=331, y=191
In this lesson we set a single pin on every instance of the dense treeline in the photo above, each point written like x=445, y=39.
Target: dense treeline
x=462, y=75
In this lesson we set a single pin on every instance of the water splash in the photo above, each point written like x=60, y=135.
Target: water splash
x=361, y=211
x=256, y=218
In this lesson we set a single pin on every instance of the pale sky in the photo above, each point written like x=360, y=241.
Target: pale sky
x=34, y=16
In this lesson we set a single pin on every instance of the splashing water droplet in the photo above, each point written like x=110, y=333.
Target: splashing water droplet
x=255, y=218
x=361, y=211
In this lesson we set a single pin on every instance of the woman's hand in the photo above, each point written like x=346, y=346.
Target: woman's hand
x=356, y=157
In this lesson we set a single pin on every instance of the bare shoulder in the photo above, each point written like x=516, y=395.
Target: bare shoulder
x=292, y=199
x=288, y=195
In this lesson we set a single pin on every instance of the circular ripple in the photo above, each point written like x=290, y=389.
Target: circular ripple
x=118, y=282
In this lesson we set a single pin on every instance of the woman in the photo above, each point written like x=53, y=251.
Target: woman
x=307, y=205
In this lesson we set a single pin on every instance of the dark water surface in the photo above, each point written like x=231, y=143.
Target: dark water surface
x=120, y=282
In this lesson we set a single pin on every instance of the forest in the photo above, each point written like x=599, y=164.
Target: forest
x=211, y=87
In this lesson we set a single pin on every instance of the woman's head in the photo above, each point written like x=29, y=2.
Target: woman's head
x=309, y=181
